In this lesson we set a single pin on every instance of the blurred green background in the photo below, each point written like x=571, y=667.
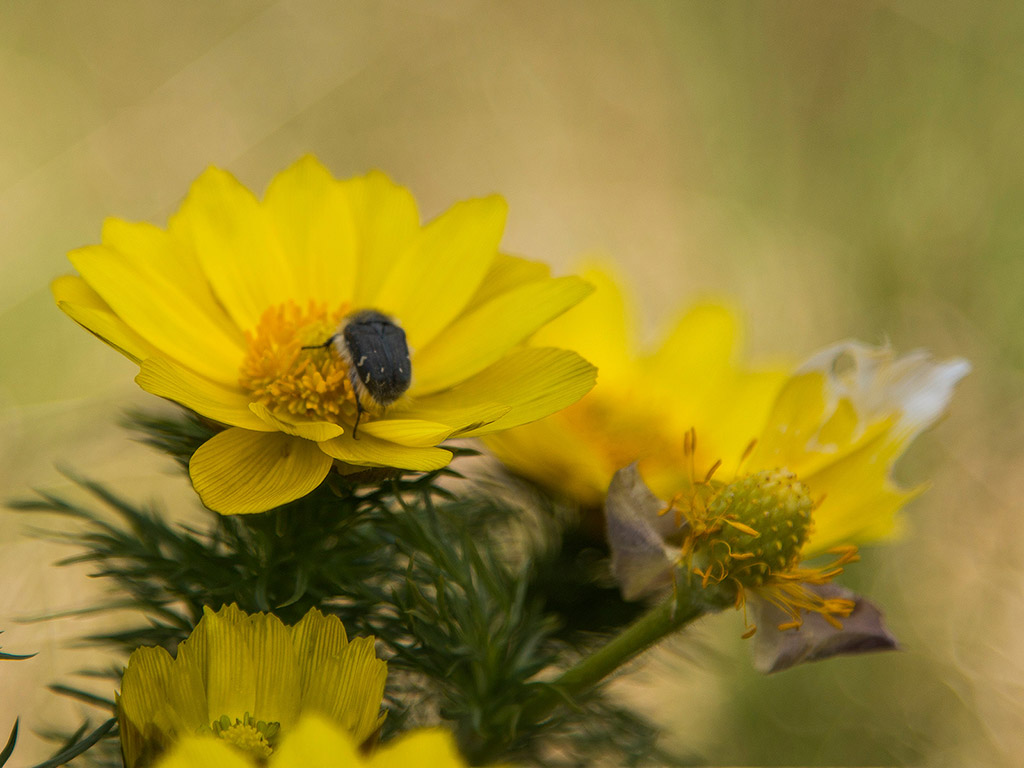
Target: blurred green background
x=841, y=169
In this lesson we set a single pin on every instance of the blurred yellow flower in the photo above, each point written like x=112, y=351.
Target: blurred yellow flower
x=318, y=743
x=246, y=679
x=838, y=422
x=223, y=308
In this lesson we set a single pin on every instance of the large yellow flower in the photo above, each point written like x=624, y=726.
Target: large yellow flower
x=221, y=309
x=317, y=743
x=838, y=422
x=246, y=680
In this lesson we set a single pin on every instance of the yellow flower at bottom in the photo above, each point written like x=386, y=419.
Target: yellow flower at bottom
x=227, y=312
x=838, y=422
x=318, y=743
x=246, y=680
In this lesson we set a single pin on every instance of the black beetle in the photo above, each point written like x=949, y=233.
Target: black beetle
x=375, y=350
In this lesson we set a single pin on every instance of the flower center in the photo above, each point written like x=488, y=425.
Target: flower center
x=291, y=381
x=254, y=737
x=761, y=523
x=749, y=535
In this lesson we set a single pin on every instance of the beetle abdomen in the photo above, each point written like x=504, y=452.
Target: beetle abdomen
x=377, y=355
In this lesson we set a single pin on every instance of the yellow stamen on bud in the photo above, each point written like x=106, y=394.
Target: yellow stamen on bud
x=247, y=735
x=292, y=381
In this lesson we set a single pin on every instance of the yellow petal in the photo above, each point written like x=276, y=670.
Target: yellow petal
x=845, y=395
x=228, y=406
x=792, y=424
x=73, y=289
x=186, y=689
x=482, y=337
x=238, y=471
x=318, y=743
x=386, y=223
x=457, y=419
x=533, y=382
x=551, y=453
x=236, y=246
x=370, y=451
x=728, y=419
x=695, y=383
x=860, y=501
x=412, y=432
x=185, y=697
x=598, y=327
x=315, y=638
x=232, y=667
x=842, y=422
x=159, y=700
x=203, y=752
x=195, y=649
x=83, y=305
x=435, y=278
x=311, y=214
x=507, y=273
x=349, y=688
x=310, y=430
x=159, y=313
x=155, y=284
x=133, y=742
x=142, y=698
x=278, y=676
x=433, y=746
x=699, y=350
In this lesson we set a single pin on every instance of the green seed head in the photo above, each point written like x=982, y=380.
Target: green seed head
x=774, y=504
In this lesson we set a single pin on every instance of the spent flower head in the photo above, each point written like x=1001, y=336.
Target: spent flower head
x=737, y=543
x=245, y=680
x=326, y=305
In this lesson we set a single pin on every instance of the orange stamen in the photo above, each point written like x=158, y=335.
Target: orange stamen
x=297, y=383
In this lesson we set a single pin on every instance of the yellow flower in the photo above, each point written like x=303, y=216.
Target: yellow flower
x=223, y=309
x=838, y=422
x=318, y=743
x=246, y=680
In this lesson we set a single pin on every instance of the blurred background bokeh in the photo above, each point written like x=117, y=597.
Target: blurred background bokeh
x=839, y=169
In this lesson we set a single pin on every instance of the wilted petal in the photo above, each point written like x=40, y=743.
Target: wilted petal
x=914, y=388
x=863, y=631
x=641, y=561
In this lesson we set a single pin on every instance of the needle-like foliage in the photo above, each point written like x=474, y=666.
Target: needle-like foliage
x=463, y=595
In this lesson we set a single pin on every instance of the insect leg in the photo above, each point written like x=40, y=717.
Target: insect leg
x=321, y=346
x=359, y=415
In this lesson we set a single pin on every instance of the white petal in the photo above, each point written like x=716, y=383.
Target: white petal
x=913, y=388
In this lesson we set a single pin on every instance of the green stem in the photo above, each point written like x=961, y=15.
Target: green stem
x=661, y=620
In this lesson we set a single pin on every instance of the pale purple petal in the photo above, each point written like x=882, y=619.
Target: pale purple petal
x=641, y=561
x=863, y=631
